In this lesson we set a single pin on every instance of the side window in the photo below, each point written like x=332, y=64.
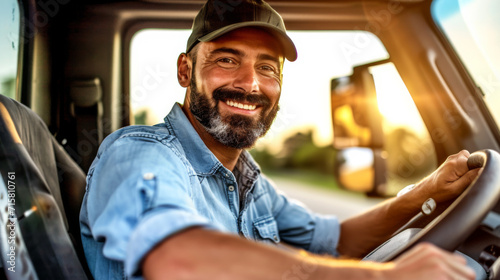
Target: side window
x=9, y=46
x=472, y=29
x=409, y=151
x=383, y=144
x=301, y=137
x=153, y=73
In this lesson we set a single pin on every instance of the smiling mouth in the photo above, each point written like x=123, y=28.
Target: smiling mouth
x=248, y=107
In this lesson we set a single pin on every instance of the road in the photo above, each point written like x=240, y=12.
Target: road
x=342, y=204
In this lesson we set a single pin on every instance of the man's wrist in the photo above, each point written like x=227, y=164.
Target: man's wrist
x=406, y=189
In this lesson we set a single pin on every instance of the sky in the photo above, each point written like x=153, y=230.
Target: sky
x=473, y=27
x=9, y=29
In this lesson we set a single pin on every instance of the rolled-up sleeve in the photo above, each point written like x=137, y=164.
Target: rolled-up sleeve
x=155, y=227
x=300, y=227
x=139, y=194
x=326, y=235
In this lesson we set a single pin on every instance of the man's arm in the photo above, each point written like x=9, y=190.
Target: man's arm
x=361, y=234
x=198, y=253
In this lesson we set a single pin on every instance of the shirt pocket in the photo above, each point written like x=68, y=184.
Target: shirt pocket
x=266, y=229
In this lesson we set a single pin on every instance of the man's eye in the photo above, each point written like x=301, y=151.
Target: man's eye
x=268, y=69
x=226, y=60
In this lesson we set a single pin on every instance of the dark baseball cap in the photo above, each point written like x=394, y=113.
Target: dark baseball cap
x=218, y=17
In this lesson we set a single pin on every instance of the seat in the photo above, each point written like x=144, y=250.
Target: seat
x=41, y=190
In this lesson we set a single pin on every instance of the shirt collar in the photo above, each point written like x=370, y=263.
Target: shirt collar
x=197, y=153
x=247, y=163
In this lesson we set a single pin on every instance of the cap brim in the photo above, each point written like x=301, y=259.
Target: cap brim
x=286, y=42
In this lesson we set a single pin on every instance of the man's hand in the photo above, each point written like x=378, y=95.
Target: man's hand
x=444, y=184
x=449, y=180
x=426, y=261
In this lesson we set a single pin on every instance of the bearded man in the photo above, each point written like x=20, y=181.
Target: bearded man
x=184, y=200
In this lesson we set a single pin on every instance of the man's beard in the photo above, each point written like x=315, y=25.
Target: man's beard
x=236, y=131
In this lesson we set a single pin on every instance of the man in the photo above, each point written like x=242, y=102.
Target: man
x=169, y=201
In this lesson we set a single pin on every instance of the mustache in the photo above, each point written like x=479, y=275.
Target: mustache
x=241, y=96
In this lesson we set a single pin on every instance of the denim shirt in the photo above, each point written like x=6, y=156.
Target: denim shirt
x=150, y=182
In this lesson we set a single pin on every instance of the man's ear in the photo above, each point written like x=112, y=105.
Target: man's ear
x=184, y=70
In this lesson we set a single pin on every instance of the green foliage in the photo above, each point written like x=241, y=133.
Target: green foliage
x=299, y=152
x=140, y=117
x=408, y=154
x=8, y=87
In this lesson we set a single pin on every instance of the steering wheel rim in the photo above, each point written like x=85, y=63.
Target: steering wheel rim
x=461, y=218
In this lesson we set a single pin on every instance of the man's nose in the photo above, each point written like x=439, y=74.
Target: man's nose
x=247, y=79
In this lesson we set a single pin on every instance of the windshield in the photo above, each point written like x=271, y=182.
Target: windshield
x=153, y=73
x=9, y=46
x=473, y=28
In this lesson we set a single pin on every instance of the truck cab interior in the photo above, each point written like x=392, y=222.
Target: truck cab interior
x=67, y=81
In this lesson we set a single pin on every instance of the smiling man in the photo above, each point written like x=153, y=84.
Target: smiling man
x=235, y=100
x=184, y=200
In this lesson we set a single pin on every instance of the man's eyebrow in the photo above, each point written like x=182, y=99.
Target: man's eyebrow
x=270, y=57
x=240, y=53
x=226, y=50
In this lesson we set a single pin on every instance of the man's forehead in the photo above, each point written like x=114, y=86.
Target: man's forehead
x=244, y=40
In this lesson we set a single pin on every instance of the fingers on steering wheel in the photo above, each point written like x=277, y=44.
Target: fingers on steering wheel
x=460, y=162
x=463, y=153
x=429, y=257
x=465, y=175
x=470, y=176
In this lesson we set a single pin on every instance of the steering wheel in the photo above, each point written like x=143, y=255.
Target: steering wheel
x=460, y=219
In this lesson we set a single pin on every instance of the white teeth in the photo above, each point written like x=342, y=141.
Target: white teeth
x=241, y=106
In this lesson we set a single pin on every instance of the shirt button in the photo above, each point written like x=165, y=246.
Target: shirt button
x=148, y=176
x=231, y=188
x=275, y=238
